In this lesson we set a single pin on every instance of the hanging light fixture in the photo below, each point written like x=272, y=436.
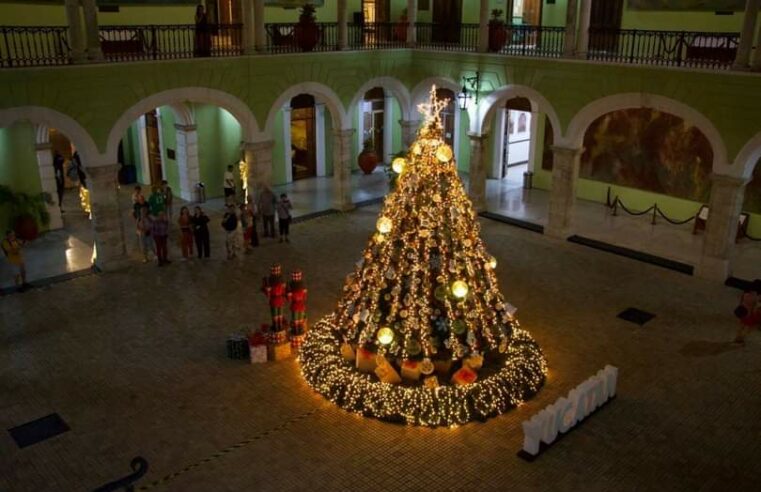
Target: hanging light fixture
x=464, y=97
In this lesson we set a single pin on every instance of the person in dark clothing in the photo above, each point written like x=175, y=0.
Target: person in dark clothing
x=200, y=225
x=58, y=162
x=77, y=162
x=203, y=33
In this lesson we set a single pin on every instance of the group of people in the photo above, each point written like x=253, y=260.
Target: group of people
x=153, y=215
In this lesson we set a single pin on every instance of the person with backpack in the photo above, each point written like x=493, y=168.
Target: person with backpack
x=200, y=225
x=230, y=225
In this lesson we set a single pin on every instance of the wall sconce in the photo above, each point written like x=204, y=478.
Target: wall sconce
x=464, y=97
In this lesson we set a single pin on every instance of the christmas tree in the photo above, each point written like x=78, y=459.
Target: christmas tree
x=422, y=333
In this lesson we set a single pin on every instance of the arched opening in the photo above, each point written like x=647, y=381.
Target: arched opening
x=303, y=139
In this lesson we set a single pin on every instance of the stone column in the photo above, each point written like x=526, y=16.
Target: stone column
x=249, y=27
x=258, y=156
x=565, y=174
x=106, y=217
x=342, y=170
x=411, y=20
x=477, y=181
x=343, y=25
x=755, y=63
x=94, y=52
x=76, y=34
x=742, y=59
x=320, y=140
x=724, y=209
x=187, y=160
x=388, y=130
x=409, y=132
x=260, y=32
x=569, y=44
x=582, y=44
x=483, y=27
x=47, y=180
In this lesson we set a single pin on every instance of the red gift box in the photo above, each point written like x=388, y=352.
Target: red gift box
x=256, y=339
x=464, y=375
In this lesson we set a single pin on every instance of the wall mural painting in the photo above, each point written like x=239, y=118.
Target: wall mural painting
x=752, y=202
x=648, y=150
x=704, y=5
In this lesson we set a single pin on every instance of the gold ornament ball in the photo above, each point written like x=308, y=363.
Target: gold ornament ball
x=417, y=149
x=444, y=153
x=385, y=336
x=459, y=289
x=398, y=165
x=492, y=263
x=384, y=225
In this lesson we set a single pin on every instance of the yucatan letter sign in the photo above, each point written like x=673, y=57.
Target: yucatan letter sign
x=560, y=417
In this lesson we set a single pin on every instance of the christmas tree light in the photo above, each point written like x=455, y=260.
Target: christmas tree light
x=424, y=298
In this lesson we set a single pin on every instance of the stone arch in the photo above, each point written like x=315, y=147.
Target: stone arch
x=392, y=85
x=588, y=114
x=176, y=99
x=747, y=158
x=322, y=94
x=481, y=123
x=423, y=88
x=43, y=118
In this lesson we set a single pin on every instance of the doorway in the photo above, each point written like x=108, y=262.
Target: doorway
x=448, y=116
x=373, y=120
x=153, y=141
x=447, y=21
x=375, y=11
x=303, y=142
x=604, y=23
x=527, y=12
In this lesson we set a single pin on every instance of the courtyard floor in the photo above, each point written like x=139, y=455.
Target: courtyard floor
x=134, y=362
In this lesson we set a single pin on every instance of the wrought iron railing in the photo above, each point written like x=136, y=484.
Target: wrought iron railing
x=377, y=35
x=671, y=48
x=447, y=37
x=165, y=42
x=25, y=46
x=539, y=41
x=294, y=38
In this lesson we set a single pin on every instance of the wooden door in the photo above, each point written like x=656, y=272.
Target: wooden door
x=447, y=20
x=154, y=147
x=303, y=143
x=604, y=24
x=532, y=12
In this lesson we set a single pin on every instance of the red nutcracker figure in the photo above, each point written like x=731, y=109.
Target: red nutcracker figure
x=275, y=290
x=297, y=296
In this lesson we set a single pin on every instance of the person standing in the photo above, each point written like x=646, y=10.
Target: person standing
x=284, y=208
x=160, y=233
x=143, y=228
x=230, y=225
x=749, y=311
x=156, y=202
x=229, y=186
x=202, y=33
x=11, y=246
x=60, y=184
x=138, y=201
x=200, y=224
x=245, y=227
x=186, y=233
x=252, y=213
x=266, y=205
x=77, y=162
x=166, y=191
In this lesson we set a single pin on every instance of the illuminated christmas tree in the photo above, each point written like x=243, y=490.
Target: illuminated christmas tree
x=422, y=333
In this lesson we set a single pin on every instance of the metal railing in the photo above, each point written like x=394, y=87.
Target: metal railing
x=290, y=37
x=377, y=35
x=446, y=37
x=539, y=41
x=22, y=46
x=166, y=42
x=671, y=48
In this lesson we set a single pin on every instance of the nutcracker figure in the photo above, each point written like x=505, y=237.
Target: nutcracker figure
x=275, y=290
x=297, y=296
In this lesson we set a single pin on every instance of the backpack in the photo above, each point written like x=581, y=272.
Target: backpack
x=230, y=223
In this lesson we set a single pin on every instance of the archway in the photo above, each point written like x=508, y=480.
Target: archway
x=746, y=260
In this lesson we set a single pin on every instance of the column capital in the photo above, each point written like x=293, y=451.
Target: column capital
x=729, y=181
x=345, y=133
x=258, y=146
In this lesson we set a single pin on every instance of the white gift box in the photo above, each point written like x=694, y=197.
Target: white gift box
x=258, y=354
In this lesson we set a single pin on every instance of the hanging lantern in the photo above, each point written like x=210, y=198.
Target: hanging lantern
x=398, y=165
x=459, y=289
x=385, y=336
x=384, y=225
x=444, y=153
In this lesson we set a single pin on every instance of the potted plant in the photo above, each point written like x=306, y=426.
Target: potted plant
x=400, y=29
x=497, y=31
x=27, y=213
x=368, y=158
x=307, y=32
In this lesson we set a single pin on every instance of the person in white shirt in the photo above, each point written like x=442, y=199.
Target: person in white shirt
x=229, y=186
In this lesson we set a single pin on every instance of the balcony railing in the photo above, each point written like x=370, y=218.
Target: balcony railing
x=22, y=46
x=672, y=48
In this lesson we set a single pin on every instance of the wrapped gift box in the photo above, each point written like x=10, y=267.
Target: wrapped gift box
x=464, y=375
x=365, y=360
x=257, y=338
x=431, y=382
x=442, y=366
x=277, y=337
x=280, y=351
x=387, y=374
x=348, y=352
x=296, y=342
x=411, y=370
x=258, y=353
x=237, y=347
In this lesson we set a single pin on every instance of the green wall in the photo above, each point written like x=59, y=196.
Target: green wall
x=18, y=164
x=219, y=139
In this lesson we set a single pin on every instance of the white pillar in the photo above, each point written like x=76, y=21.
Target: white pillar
x=76, y=33
x=343, y=25
x=342, y=170
x=498, y=147
x=477, y=175
x=483, y=27
x=287, y=143
x=409, y=132
x=94, y=52
x=106, y=217
x=388, y=129
x=187, y=160
x=755, y=63
x=725, y=205
x=570, y=29
x=249, y=27
x=47, y=180
x=361, y=124
x=319, y=138
x=260, y=32
x=411, y=20
x=258, y=157
x=565, y=175
x=582, y=44
x=742, y=59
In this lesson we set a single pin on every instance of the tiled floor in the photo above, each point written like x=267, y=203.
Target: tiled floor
x=134, y=362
